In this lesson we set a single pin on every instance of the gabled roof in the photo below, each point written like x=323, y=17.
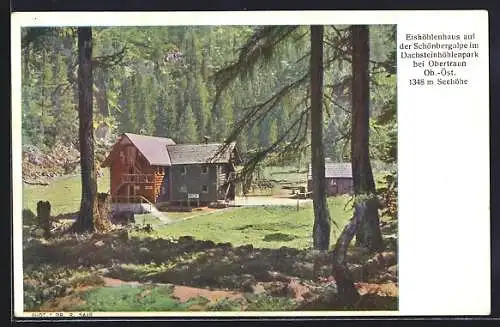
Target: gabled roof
x=161, y=151
x=184, y=154
x=153, y=148
x=335, y=170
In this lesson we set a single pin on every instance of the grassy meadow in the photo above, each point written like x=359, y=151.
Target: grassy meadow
x=195, y=264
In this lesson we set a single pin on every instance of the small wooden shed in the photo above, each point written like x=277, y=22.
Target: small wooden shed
x=338, y=178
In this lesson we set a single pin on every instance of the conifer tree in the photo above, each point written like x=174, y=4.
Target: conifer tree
x=66, y=118
x=188, y=127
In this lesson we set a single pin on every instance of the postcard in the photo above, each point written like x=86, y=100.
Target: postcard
x=250, y=164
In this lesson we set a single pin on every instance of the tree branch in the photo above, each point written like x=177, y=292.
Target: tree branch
x=110, y=60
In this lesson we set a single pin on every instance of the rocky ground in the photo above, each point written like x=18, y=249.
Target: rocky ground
x=39, y=166
x=196, y=268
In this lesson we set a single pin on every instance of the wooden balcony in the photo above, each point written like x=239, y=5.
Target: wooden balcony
x=138, y=178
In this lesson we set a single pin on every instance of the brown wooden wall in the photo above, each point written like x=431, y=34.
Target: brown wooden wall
x=133, y=162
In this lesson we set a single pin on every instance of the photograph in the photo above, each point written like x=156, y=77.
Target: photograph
x=209, y=168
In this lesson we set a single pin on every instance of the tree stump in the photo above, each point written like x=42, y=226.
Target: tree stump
x=102, y=209
x=43, y=215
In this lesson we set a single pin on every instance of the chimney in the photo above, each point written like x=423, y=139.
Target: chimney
x=206, y=138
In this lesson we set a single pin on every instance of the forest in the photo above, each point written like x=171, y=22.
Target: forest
x=287, y=95
x=154, y=80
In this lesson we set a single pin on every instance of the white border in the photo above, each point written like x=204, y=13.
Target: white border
x=424, y=247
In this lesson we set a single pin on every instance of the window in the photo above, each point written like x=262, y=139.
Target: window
x=184, y=170
x=183, y=189
x=204, y=189
x=204, y=169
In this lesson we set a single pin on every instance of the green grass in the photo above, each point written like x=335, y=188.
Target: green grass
x=64, y=193
x=268, y=227
x=133, y=298
x=290, y=174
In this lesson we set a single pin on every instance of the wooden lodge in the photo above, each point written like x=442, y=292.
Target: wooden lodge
x=157, y=170
x=338, y=178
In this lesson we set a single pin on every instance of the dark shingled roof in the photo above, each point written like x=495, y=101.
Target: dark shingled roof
x=335, y=170
x=184, y=154
x=153, y=148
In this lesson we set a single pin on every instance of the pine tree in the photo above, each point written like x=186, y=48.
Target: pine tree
x=226, y=122
x=188, y=126
x=86, y=217
x=139, y=98
x=201, y=107
x=273, y=131
x=321, y=228
x=161, y=121
x=368, y=235
x=149, y=94
x=66, y=118
x=128, y=117
x=46, y=104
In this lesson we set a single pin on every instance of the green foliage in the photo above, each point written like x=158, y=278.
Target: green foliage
x=263, y=302
x=148, y=76
x=63, y=194
x=133, y=298
x=224, y=305
x=188, y=134
x=389, y=195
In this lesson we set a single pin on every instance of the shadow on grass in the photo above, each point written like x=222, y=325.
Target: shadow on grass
x=185, y=261
x=279, y=237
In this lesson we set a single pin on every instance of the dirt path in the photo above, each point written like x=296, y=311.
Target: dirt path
x=162, y=216
x=184, y=293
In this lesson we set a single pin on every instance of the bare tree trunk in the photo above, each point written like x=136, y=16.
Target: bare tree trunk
x=86, y=135
x=368, y=234
x=347, y=292
x=321, y=228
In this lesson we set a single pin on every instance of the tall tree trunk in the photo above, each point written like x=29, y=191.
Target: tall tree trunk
x=368, y=234
x=86, y=135
x=321, y=228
